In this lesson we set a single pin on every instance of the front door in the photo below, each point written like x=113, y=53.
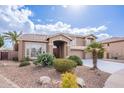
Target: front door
x=58, y=49
x=107, y=55
x=56, y=52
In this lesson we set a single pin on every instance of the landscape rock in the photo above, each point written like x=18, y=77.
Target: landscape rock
x=45, y=80
x=80, y=82
x=56, y=83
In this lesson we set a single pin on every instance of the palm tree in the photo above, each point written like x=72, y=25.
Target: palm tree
x=94, y=48
x=1, y=41
x=13, y=36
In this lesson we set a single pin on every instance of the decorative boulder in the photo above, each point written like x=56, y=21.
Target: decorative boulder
x=56, y=83
x=45, y=81
x=80, y=82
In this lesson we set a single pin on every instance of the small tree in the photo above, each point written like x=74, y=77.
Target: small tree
x=13, y=36
x=1, y=41
x=94, y=48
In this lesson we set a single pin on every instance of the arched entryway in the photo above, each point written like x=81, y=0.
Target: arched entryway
x=59, y=49
x=59, y=45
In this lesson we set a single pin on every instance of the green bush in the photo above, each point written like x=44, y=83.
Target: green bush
x=25, y=63
x=44, y=59
x=68, y=80
x=76, y=59
x=26, y=59
x=63, y=65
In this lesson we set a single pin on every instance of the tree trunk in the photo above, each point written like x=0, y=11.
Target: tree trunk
x=94, y=59
x=15, y=47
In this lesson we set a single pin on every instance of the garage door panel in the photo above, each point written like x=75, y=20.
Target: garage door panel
x=78, y=53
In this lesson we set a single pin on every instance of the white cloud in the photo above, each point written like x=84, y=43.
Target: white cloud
x=66, y=28
x=64, y=6
x=15, y=18
x=50, y=28
x=103, y=36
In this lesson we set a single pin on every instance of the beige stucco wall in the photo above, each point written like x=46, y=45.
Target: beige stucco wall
x=11, y=54
x=21, y=51
x=115, y=49
x=80, y=41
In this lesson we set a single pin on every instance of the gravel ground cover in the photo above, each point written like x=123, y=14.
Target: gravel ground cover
x=28, y=76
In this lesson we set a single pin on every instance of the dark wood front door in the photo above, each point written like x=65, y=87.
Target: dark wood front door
x=107, y=55
x=4, y=55
x=56, y=52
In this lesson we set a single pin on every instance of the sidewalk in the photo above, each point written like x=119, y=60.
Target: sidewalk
x=116, y=80
x=6, y=83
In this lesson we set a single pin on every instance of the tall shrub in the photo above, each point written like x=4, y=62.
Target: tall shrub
x=44, y=59
x=63, y=65
x=76, y=59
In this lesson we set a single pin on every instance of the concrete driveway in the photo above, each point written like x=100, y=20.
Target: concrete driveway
x=106, y=66
x=116, y=80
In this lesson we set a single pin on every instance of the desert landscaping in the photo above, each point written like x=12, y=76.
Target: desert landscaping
x=28, y=76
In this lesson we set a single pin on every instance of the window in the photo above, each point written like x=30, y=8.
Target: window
x=39, y=50
x=88, y=41
x=27, y=53
x=73, y=42
x=33, y=52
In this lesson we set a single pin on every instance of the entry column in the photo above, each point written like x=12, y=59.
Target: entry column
x=50, y=48
x=67, y=49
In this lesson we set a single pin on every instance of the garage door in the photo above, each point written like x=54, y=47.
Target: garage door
x=78, y=53
x=88, y=55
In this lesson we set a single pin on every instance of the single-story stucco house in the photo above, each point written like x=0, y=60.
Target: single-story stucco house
x=114, y=48
x=61, y=45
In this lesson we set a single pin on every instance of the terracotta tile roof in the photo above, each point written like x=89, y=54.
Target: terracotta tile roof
x=40, y=37
x=113, y=39
x=33, y=37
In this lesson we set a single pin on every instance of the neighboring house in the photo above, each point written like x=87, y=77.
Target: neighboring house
x=61, y=45
x=114, y=48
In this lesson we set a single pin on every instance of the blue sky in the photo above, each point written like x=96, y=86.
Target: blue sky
x=102, y=21
x=86, y=16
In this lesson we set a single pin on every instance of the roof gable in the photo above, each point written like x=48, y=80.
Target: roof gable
x=60, y=35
